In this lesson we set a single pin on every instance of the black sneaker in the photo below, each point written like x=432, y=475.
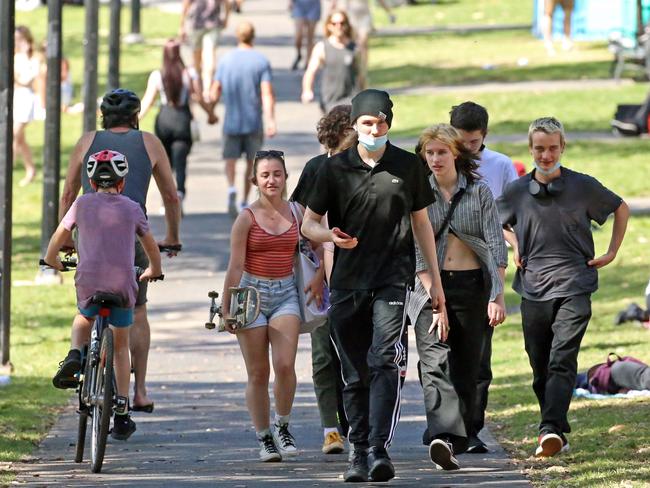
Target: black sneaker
x=296, y=63
x=441, y=453
x=476, y=446
x=66, y=377
x=631, y=313
x=358, y=469
x=123, y=427
x=379, y=466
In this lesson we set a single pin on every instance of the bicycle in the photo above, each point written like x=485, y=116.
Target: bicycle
x=96, y=387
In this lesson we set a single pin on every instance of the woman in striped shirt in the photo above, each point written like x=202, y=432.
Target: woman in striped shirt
x=263, y=242
x=472, y=257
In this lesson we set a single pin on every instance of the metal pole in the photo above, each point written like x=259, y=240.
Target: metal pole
x=134, y=37
x=52, y=143
x=7, y=25
x=90, y=65
x=639, y=18
x=114, y=46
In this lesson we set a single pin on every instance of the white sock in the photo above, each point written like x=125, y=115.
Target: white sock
x=263, y=433
x=232, y=189
x=327, y=430
x=282, y=419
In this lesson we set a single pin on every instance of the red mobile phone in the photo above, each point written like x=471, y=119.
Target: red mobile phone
x=339, y=233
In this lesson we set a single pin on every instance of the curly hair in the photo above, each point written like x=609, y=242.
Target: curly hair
x=465, y=161
x=333, y=128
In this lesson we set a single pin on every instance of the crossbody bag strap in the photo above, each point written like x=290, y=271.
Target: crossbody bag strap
x=450, y=212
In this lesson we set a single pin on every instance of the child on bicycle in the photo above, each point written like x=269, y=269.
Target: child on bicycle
x=107, y=224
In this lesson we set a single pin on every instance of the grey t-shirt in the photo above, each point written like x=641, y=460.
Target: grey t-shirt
x=240, y=72
x=554, y=234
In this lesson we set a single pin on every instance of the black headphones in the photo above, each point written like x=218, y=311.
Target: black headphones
x=541, y=190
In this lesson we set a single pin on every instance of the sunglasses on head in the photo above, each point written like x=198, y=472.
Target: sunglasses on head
x=269, y=154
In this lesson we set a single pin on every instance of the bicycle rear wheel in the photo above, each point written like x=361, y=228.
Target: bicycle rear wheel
x=102, y=401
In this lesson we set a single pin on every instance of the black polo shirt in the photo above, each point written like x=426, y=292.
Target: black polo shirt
x=307, y=179
x=554, y=234
x=374, y=205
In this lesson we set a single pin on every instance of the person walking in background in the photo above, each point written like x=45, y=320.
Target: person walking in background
x=147, y=158
x=549, y=213
x=496, y=170
x=306, y=14
x=201, y=23
x=547, y=24
x=338, y=56
x=358, y=12
x=333, y=131
x=263, y=242
x=174, y=83
x=375, y=196
x=243, y=80
x=26, y=70
x=470, y=248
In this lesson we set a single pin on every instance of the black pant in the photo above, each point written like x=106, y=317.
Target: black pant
x=368, y=329
x=466, y=302
x=441, y=402
x=483, y=382
x=173, y=129
x=553, y=330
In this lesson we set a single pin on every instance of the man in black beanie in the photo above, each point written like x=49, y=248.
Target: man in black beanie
x=375, y=196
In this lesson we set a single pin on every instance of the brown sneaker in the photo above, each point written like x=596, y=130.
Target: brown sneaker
x=333, y=443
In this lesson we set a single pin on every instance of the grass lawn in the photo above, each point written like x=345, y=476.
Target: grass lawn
x=41, y=316
x=611, y=438
x=512, y=112
x=443, y=58
x=459, y=12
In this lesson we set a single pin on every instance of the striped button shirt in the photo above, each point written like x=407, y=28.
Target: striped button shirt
x=476, y=223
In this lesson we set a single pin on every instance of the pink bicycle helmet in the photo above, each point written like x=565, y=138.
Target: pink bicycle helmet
x=106, y=168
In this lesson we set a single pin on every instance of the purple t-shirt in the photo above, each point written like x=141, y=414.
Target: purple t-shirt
x=107, y=224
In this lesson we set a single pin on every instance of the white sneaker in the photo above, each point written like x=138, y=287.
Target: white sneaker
x=284, y=440
x=268, y=450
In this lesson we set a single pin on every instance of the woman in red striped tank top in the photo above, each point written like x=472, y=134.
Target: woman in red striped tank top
x=263, y=242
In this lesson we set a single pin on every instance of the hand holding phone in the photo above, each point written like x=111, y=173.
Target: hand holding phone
x=339, y=233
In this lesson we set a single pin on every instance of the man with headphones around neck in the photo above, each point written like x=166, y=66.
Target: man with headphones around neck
x=548, y=213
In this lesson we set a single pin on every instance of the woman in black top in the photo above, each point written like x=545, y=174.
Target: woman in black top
x=177, y=86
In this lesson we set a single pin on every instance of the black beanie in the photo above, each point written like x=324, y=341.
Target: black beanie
x=372, y=102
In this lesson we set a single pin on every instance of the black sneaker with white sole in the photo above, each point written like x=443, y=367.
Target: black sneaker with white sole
x=476, y=446
x=441, y=453
x=69, y=368
x=123, y=427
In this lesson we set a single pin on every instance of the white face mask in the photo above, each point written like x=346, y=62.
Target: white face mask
x=547, y=172
x=372, y=143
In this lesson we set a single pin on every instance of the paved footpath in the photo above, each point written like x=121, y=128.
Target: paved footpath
x=200, y=433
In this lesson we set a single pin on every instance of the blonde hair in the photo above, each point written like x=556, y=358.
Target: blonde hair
x=446, y=134
x=547, y=125
x=245, y=32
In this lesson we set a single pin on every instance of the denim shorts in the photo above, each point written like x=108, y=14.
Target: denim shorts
x=119, y=317
x=277, y=297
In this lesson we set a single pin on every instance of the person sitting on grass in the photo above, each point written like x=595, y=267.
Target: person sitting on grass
x=107, y=224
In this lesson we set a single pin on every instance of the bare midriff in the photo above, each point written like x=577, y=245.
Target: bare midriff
x=459, y=256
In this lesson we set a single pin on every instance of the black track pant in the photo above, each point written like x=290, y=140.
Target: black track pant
x=367, y=329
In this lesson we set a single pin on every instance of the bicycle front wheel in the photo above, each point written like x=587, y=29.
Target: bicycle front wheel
x=102, y=400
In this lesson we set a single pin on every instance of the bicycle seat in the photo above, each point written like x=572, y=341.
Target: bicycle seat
x=107, y=300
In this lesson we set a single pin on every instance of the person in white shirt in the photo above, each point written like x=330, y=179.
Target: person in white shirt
x=496, y=170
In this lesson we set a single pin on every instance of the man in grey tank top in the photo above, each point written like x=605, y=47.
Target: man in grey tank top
x=147, y=158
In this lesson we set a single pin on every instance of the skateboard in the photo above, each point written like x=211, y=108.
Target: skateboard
x=244, y=308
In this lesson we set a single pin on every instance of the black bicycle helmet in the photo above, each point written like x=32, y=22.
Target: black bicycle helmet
x=120, y=102
x=107, y=168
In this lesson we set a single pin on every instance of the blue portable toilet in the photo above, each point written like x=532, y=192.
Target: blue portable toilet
x=594, y=20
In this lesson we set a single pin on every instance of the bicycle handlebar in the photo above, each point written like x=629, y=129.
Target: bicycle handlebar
x=67, y=264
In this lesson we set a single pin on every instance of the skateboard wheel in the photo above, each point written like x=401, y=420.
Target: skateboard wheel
x=213, y=294
x=210, y=325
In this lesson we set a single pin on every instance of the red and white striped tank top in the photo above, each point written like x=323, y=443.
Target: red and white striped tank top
x=270, y=255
